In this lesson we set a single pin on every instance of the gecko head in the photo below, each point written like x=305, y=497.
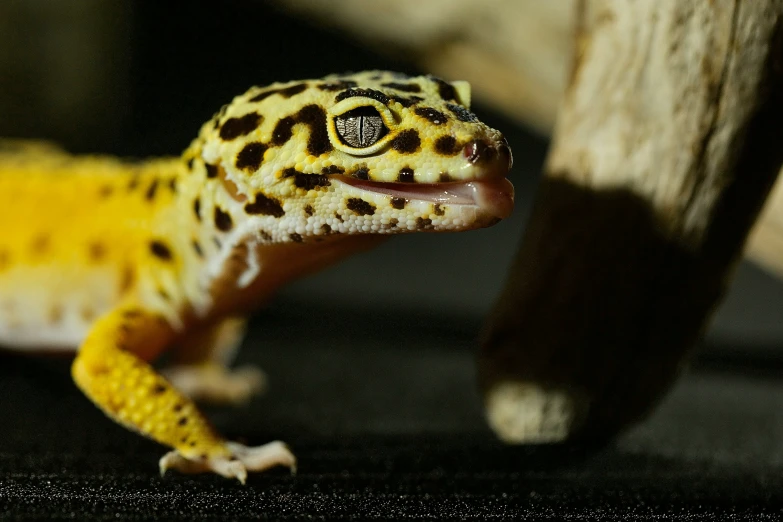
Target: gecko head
x=373, y=152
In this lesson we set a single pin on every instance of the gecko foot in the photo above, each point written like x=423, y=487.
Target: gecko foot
x=217, y=384
x=236, y=465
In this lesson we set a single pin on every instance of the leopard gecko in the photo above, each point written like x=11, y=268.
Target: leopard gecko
x=118, y=261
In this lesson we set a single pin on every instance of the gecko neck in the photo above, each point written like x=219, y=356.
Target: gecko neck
x=277, y=264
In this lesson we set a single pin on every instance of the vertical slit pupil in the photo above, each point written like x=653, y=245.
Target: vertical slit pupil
x=360, y=127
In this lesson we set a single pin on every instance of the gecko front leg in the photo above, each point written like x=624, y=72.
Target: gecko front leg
x=111, y=368
x=201, y=365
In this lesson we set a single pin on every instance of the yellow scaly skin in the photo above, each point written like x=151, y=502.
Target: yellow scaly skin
x=125, y=260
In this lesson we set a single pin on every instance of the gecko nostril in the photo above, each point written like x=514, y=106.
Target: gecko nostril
x=477, y=151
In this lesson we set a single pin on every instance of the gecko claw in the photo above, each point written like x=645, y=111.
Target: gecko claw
x=240, y=460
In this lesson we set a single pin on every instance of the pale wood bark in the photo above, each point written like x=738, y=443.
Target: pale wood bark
x=765, y=244
x=667, y=143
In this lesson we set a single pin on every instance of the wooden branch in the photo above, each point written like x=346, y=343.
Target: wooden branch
x=765, y=244
x=667, y=144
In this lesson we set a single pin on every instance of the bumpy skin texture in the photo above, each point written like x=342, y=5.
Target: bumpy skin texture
x=125, y=260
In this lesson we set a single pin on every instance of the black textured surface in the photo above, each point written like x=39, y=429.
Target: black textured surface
x=382, y=413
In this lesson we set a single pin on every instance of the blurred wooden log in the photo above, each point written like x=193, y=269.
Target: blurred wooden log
x=667, y=143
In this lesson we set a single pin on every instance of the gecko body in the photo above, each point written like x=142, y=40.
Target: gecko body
x=120, y=261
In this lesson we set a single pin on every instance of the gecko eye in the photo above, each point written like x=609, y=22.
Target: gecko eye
x=360, y=127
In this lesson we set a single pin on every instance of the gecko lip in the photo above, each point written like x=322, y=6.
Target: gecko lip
x=496, y=196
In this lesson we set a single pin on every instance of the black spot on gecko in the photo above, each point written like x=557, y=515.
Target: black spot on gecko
x=446, y=146
x=361, y=173
x=337, y=86
x=309, y=210
x=405, y=175
x=364, y=93
x=160, y=250
x=360, y=206
x=398, y=203
x=266, y=206
x=266, y=236
x=314, y=117
x=423, y=223
x=233, y=128
x=173, y=185
x=393, y=222
x=326, y=229
x=283, y=131
x=182, y=421
x=105, y=191
x=164, y=295
x=285, y=92
x=41, y=244
x=338, y=217
x=445, y=89
x=462, y=113
x=444, y=177
x=223, y=220
x=134, y=182
x=190, y=164
x=197, y=248
x=332, y=169
x=405, y=87
x=158, y=389
x=306, y=181
x=251, y=156
x=128, y=279
x=197, y=208
x=407, y=102
x=438, y=210
x=212, y=170
x=406, y=142
x=431, y=115
x=153, y=188
x=296, y=238
x=97, y=251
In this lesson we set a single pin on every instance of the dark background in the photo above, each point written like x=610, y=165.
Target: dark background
x=370, y=363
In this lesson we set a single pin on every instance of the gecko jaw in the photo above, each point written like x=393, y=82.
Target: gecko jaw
x=495, y=197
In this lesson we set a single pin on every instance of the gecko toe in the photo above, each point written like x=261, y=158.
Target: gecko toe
x=240, y=460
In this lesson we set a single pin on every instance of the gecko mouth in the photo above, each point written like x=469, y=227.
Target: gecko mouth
x=496, y=197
